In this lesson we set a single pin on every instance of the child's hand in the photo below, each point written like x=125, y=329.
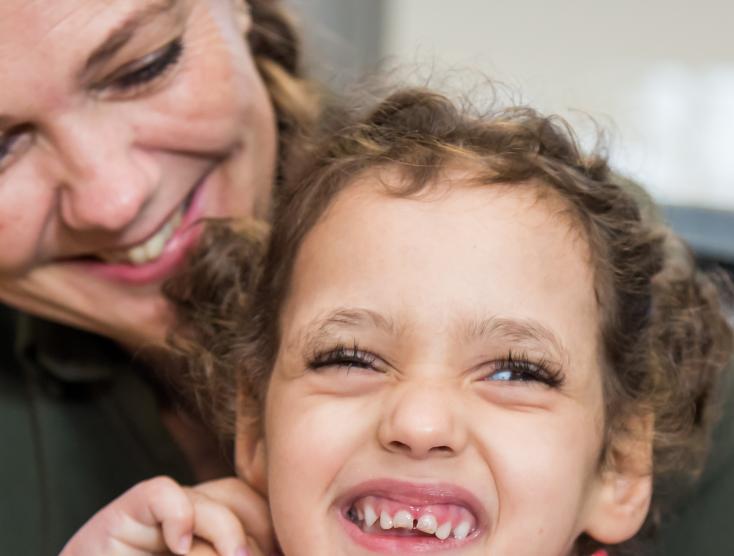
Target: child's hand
x=159, y=515
x=250, y=508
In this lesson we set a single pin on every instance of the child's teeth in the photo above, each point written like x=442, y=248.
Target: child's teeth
x=369, y=516
x=385, y=520
x=403, y=519
x=427, y=523
x=444, y=531
x=462, y=530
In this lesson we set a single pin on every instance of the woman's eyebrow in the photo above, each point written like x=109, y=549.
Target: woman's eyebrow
x=122, y=33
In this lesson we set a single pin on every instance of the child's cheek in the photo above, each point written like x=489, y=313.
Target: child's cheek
x=541, y=464
x=309, y=440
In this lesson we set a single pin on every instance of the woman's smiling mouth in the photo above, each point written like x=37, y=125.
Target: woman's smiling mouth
x=150, y=249
x=157, y=257
x=398, y=517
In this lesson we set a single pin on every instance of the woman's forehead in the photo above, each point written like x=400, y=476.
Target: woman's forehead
x=38, y=19
x=70, y=28
x=49, y=47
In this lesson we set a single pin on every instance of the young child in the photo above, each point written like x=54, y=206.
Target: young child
x=465, y=339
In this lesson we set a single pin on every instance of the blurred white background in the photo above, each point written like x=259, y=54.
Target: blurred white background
x=659, y=74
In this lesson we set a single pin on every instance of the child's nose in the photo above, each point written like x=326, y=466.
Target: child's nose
x=422, y=422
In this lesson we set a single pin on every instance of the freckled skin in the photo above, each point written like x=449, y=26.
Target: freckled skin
x=430, y=267
x=104, y=169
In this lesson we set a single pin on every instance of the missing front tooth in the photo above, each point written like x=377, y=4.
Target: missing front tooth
x=352, y=515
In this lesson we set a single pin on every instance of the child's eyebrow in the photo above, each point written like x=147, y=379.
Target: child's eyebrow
x=523, y=330
x=345, y=317
x=517, y=330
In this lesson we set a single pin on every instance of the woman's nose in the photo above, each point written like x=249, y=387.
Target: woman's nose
x=105, y=183
x=423, y=421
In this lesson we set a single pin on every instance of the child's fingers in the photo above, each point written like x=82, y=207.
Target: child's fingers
x=200, y=548
x=218, y=525
x=151, y=517
x=249, y=507
x=159, y=512
x=170, y=509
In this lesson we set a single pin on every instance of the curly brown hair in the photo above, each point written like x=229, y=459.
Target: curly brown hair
x=275, y=45
x=276, y=48
x=664, y=337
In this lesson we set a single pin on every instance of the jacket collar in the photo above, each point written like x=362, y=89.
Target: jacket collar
x=66, y=353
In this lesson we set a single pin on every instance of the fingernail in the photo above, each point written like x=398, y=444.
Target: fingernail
x=184, y=545
x=242, y=551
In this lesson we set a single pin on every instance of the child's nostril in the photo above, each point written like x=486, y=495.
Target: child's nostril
x=401, y=446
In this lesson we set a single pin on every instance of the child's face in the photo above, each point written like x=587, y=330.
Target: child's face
x=438, y=364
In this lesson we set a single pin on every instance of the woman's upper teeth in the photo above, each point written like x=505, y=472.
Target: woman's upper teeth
x=149, y=250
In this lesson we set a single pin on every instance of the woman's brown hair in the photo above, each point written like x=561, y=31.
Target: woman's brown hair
x=664, y=337
x=276, y=48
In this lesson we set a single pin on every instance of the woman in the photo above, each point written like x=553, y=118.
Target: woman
x=121, y=124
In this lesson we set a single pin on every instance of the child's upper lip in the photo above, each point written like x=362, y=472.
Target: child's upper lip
x=417, y=494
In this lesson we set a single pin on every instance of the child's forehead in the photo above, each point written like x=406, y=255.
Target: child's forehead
x=459, y=186
x=459, y=236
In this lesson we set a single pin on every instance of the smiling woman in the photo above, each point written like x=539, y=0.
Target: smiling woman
x=122, y=125
x=123, y=146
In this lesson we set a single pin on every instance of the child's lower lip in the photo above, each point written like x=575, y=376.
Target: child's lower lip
x=173, y=255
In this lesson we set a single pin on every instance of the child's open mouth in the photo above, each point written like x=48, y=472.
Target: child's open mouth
x=408, y=520
x=376, y=515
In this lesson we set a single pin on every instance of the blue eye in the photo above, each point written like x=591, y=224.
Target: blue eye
x=520, y=369
x=505, y=375
x=6, y=146
x=12, y=142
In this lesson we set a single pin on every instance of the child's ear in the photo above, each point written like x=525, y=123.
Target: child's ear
x=624, y=489
x=250, y=458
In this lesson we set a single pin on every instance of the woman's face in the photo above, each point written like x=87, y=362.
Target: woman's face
x=122, y=123
x=437, y=386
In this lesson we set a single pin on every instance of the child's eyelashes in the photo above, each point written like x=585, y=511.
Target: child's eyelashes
x=519, y=368
x=511, y=368
x=343, y=357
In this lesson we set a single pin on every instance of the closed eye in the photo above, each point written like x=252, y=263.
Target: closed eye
x=343, y=357
x=515, y=368
x=146, y=70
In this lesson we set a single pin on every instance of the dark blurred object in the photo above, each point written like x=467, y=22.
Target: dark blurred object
x=710, y=232
x=343, y=38
x=702, y=524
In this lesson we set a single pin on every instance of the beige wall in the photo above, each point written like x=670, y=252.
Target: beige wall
x=661, y=71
